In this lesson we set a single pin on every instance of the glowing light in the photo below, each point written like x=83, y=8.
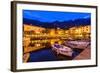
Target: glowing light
x=37, y=45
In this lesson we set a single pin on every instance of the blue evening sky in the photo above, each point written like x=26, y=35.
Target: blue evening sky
x=51, y=16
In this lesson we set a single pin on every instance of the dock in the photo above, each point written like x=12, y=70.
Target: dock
x=85, y=54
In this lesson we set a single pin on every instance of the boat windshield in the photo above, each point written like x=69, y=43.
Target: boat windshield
x=58, y=46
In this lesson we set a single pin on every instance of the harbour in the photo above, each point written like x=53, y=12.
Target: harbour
x=43, y=51
x=56, y=36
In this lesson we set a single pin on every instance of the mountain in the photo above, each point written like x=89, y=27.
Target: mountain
x=55, y=24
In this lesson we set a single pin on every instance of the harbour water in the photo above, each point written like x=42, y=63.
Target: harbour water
x=47, y=54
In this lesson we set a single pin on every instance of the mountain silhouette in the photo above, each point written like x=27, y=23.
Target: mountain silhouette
x=60, y=24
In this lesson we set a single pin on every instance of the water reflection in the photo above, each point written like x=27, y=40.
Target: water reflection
x=46, y=42
x=41, y=50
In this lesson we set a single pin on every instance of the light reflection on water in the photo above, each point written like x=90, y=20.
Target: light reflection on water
x=46, y=43
x=46, y=53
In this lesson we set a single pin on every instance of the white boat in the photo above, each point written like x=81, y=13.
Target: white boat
x=64, y=50
x=78, y=44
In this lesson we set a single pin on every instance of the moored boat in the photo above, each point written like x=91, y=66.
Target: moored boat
x=63, y=50
x=77, y=44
